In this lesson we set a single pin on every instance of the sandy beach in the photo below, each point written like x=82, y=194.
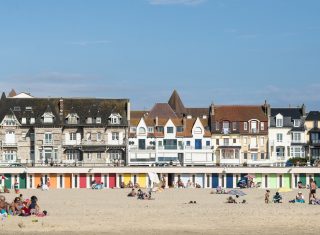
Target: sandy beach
x=112, y=212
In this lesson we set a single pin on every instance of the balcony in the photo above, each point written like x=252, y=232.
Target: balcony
x=47, y=142
x=202, y=148
x=136, y=148
x=71, y=143
x=9, y=144
x=254, y=131
x=170, y=147
x=93, y=143
x=253, y=146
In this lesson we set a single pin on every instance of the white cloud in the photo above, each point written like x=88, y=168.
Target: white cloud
x=87, y=43
x=176, y=2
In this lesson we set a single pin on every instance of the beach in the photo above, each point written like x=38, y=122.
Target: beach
x=110, y=211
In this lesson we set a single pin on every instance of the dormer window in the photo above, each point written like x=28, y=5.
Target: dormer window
x=254, y=127
x=24, y=120
x=296, y=123
x=133, y=129
x=150, y=129
x=169, y=129
x=98, y=120
x=142, y=130
x=32, y=120
x=16, y=108
x=179, y=128
x=245, y=126
x=9, y=120
x=73, y=118
x=279, y=121
x=115, y=118
x=47, y=117
x=198, y=130
x=226, y=127
x=89, y=120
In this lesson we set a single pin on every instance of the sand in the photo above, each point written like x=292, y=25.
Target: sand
x=109, y=211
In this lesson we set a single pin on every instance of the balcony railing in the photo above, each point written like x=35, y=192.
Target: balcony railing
x=194, y=148
x=47, y=142
x=253, y=146
x=170, y=147
x=136, y=148
x=93, y=142
x=6, y=144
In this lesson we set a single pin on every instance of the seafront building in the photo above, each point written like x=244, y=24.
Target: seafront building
x=71, y=141
x=287, y=134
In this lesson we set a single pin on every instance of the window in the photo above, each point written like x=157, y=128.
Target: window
x=48, y=138
x=234, y=141
x=115, y=118
x=142, y=130
x=245, y=126
x=115, y=135
x=169, y=129
x=73, y=118
x=9, y=155
x=226, y=127
x=254, y=127
x=24, y=120
x=245, y=140
x=98, y=120
x=297, y=152
x=188, y=143
x=262, y=126
x=254, y=156
x=160, y=143
x=16, y=108
x=99, y=136
x=89, y=156
x=142, y=144
x=179, y=128
x=9, y=120
x=225, y=141
x=150, y=129
x=23, y=135
x=170, y=143
x=208, y=143
x=296, y=137
x=28, y=108
x=88, y=136
x=47, y=118
x=261, y=141
x=133, y=129
x=234, y=126
x=280, y=151
x=279, y=122
x=262, y=155
x=279, y=137
x=198, y=130
x=32, y=120
x=217, y=141
x=73, y=154
x=73, y=136
x=98, y=155
x=89, y=120
x=296, y=123
x=159, y=128
x=245, y=155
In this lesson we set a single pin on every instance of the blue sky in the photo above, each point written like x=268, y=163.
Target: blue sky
x=225, y=51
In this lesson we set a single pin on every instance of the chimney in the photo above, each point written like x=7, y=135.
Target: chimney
x=128, y=111
x=157, y=120
x=303, y=107
x=184, y=122
x=212, y=109
x=61, y=106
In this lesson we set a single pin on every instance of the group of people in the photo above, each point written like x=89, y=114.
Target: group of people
x=180, y=184
x=129, y=185
x=140, y=194
x=21, y=207
x=230, y=199
x=277, y=198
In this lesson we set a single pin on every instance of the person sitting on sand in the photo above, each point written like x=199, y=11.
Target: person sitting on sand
x=132, y=193
x=300, y=185
x=33, y=205
x=189, y=184
x=230, y=199
x=267, y=196
x=299, y=198
x=180, y=184
x=277, y=198
x=16, y=206
x=122, y=185
x=93, y=184
x=130, y=184
x=140, y=194
x=198, y=185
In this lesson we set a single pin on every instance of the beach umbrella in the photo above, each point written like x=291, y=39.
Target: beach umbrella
x=236, y=192
x=284, y=190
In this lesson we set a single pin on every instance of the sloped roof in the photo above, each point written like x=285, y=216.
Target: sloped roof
x=162, y=110
x=197, y=112
x=294, y=113
x=313, y=116
x=239, y=113
x=98, y=108
x=137, y=114
x=176, y=103
x=12, y=93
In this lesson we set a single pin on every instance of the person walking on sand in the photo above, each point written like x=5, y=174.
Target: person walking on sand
x=267, y=196
x=313, y=187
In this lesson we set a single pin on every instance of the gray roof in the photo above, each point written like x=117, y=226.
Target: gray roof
x=84, y=108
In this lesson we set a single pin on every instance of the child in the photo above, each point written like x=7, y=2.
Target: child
x=267, y=196
x=16, y=187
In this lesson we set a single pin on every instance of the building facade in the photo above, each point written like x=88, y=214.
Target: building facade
x=64, y=131
x=286, y=134
x=312, y=124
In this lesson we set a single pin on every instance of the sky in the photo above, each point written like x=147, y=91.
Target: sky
x=220, y=51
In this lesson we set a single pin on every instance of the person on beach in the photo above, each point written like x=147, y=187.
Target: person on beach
x=267, y=197
x=313, y=187
x=132, y=193
x=230, y=199
x=277, y=198
x=16, y=187
x=299, y=198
